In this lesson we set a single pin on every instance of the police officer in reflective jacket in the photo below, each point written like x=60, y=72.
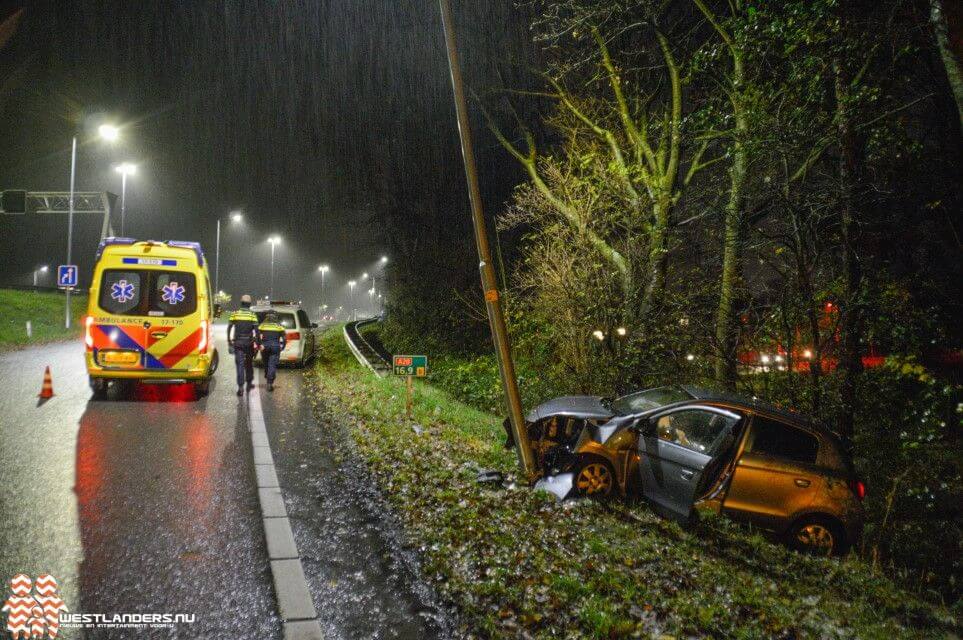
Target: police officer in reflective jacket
x=242, y=338
x=272, y=344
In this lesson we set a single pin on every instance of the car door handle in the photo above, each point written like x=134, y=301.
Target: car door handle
x=802, y=483
x=686, y=474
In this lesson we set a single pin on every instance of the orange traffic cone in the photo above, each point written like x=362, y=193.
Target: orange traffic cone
x=47, y=390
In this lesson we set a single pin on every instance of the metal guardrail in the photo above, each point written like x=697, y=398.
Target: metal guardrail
x=367, y=355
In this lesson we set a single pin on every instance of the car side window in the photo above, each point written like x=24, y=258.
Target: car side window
x=696, y=429
x=780, y=440
x=303, y=319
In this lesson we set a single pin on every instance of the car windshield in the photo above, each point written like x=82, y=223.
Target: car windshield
x=649, y=399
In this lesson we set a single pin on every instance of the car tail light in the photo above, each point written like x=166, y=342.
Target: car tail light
x=293, y=335
x=88, y=332
x=859, y=489
x=202, y=343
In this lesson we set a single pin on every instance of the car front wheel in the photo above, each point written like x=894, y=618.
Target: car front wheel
x=595, y=478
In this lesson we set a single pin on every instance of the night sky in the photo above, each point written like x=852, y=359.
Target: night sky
x=301, y=113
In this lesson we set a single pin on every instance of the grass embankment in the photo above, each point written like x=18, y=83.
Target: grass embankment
x=44, y=310
x=517, y=563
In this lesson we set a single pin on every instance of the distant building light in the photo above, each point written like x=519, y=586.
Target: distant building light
x=807, y=354
x=598, y=335
x=690, y=357
x=621, y=331
x=764, y=359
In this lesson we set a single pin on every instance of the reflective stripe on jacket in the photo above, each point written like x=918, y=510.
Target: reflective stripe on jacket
x=272, y=335
x=242, y=328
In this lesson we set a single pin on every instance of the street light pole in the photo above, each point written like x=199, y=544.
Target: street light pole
x=323, y=269
x=70, y=223
x=274, y=240
x=489, y=283
x=351, y=290
x=124, y=169
x=217, y=257
x=37, y=272
x=110, y=134
x=123, y=203
x=236, y=216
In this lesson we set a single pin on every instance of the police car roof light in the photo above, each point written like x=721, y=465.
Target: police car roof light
x=186, y=244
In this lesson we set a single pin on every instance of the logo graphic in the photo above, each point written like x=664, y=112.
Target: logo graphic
x=33, y=615
x=173, y=293
x=122, y=291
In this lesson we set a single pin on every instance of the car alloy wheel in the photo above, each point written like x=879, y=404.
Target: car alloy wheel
x=595, y=479
x=816, y=538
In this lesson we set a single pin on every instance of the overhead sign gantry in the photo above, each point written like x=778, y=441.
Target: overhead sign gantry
x=85, y=202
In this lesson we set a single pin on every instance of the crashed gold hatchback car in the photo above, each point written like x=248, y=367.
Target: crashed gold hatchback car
x=684, y=447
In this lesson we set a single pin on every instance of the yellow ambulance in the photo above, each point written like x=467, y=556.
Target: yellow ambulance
x=150, y=315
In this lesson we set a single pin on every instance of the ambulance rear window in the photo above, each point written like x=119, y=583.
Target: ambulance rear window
x=148, y=292
x=120, y=292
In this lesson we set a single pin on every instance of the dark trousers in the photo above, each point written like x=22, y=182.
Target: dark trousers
x=244, y=363
x=271, y=355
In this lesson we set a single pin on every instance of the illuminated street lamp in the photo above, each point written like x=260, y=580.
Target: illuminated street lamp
x=124, y=169
x=36, y=272
x=108, y=133
x=236, y=217
x=275, y=240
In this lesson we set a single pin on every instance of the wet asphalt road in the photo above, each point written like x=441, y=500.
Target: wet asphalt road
x=364, y=583
x=146, y=502
x=141, y=503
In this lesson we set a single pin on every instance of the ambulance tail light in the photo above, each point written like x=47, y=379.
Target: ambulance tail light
x=202, y=344
x=88, y=332
x=293, y=335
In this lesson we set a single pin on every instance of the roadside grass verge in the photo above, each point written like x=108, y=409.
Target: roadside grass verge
x=517, y=563
x=44, y=310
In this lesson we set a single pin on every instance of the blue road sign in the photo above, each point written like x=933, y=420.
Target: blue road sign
x=67, y=275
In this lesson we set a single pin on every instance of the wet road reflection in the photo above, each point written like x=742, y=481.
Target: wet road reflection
x=143, y=502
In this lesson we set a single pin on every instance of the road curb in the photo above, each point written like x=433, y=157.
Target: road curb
x=298, y=614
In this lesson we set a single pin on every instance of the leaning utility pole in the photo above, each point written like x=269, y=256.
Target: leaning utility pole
x=496, y=318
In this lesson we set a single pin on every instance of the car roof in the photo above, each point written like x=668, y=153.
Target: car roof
x=758, y=406
x=285, y=308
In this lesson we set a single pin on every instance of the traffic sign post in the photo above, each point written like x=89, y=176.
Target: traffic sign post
x=410, y=367
x=67, y=276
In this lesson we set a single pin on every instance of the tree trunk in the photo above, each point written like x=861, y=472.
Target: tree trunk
x=658, y=254
x=851, y=157
x=816, y=357
x=954, y=70
x=726, y=335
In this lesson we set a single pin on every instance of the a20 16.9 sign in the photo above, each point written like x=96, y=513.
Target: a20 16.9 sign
x=410, y=366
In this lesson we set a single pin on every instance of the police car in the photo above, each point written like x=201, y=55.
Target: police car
x=298, y=330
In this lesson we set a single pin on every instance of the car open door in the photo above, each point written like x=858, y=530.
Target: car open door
x=679, y=451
